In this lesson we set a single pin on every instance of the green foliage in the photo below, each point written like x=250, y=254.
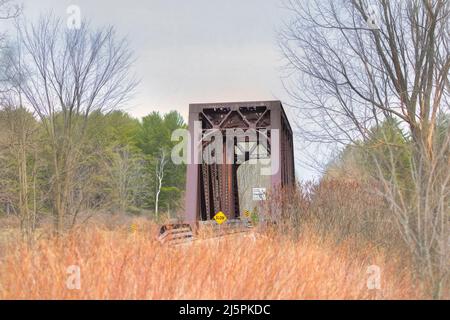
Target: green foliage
x=113, y=129
x=117, y=168
x=156, y=131
x=170, y=197
x=154, y=138
x=386, y=148
x=388, y=151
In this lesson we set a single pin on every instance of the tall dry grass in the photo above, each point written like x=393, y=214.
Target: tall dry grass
x=351, y=210
x=341, y=209
x=123, y=264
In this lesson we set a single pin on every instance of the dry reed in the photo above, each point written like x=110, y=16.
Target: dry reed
x=127, y=263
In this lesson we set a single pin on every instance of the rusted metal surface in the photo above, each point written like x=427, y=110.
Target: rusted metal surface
x=210, y=229
x=211, y=188
x=181, y=234
x=173, y=234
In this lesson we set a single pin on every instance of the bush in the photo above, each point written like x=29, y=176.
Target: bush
x=345, y=209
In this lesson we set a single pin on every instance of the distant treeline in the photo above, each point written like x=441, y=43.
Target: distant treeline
x=116, y=170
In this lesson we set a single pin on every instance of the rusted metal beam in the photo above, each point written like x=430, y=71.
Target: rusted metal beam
x=214, y=187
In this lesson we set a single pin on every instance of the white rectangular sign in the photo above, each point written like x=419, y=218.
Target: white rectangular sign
x=259, y=194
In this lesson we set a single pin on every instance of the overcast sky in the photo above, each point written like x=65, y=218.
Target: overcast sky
x=191, y=50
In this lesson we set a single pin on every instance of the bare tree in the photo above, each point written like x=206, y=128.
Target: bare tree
x=18, y=143
x=127, y=177
x=160, y=164
x=65, y=74
x=421, y=209
x=355, y=63
x=17, y=140
x=9, y=10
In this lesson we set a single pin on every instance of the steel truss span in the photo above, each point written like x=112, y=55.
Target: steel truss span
x=252, y=134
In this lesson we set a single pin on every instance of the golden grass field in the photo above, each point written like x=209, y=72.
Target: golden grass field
x=126, y=264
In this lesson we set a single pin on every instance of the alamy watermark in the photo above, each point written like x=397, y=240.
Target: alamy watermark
x=228, y=146
x=73, y=281
x=373, y=17
x=74, y=17
x=374, y=279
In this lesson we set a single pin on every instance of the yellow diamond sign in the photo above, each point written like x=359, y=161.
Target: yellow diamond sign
x=220, y=217
x=247, y=213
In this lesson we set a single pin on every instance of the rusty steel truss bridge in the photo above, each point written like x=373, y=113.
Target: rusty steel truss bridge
x=238, y=152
